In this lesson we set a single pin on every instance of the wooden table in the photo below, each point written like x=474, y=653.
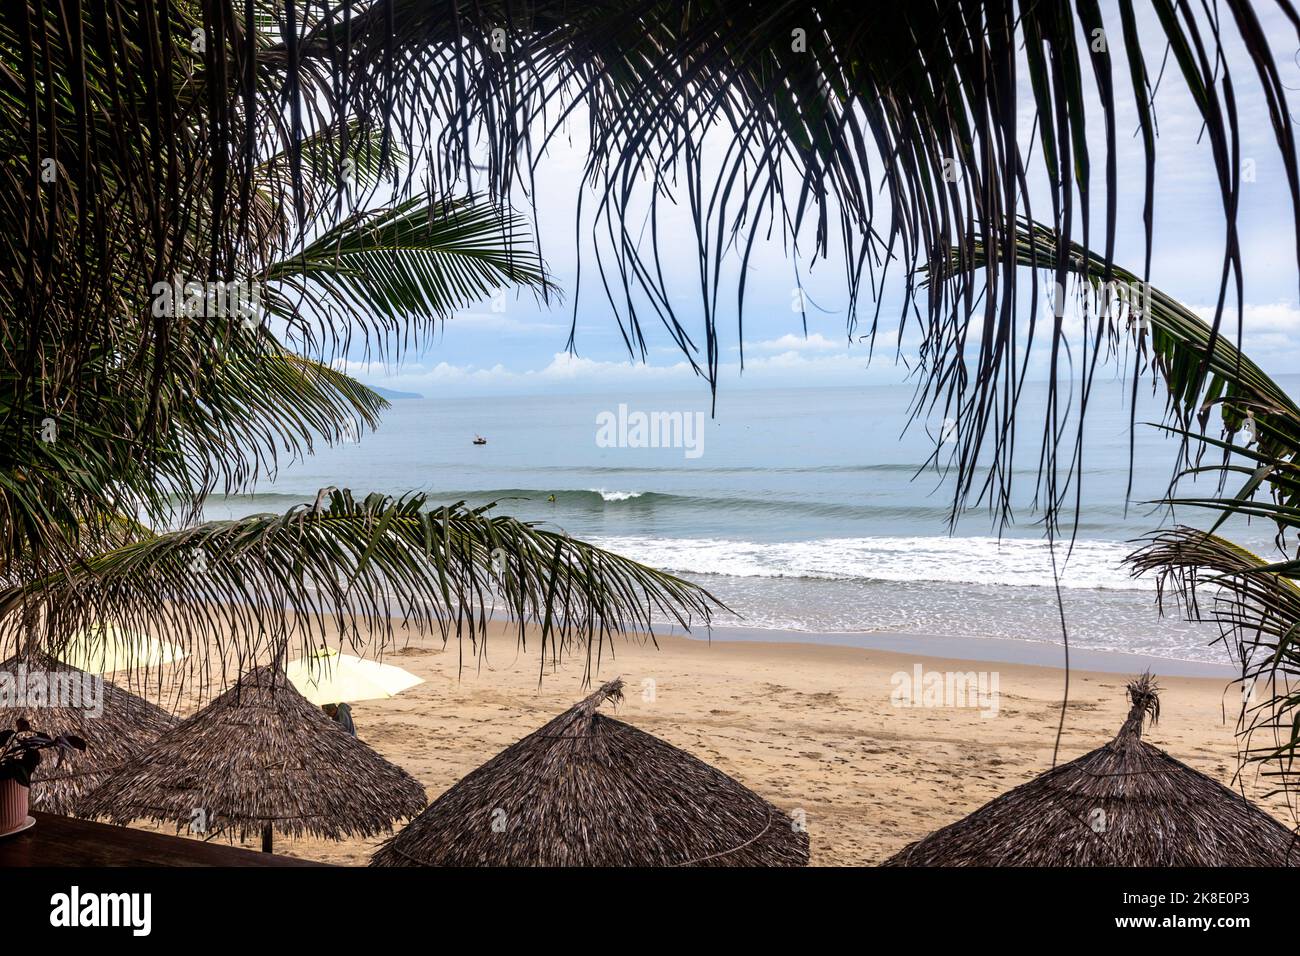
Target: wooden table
x=64, y=841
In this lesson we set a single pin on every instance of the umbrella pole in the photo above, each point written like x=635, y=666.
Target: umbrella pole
x=266, y=838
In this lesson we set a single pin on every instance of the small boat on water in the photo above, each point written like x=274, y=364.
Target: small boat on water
x=480, y=440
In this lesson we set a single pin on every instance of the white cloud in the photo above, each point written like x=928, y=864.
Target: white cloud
x=564, y=368
x=797, y=361
x=566, y=372
x=1270, y=333
x=1279, y=317
x=497, y=322
x=797, y=343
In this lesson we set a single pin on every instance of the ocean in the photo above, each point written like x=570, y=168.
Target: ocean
x=807, y=511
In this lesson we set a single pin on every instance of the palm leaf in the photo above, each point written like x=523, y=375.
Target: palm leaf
x=247, y=588
x=1200, y=370
x=1258, y=612
x=410, y=260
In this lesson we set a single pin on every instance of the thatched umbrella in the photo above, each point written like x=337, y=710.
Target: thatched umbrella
x=116, y=727
x=589, y=790
x=260, y=758
x=1127, y=803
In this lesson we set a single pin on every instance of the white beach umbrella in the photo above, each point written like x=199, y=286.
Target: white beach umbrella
x=106, y=648
x=328, y=677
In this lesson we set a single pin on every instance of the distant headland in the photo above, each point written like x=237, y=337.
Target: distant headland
x=392, y=394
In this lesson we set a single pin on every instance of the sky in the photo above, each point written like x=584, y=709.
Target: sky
x=512, y=344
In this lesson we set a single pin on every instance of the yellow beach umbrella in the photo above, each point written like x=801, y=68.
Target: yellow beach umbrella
x=106, y=648
x=328, y=677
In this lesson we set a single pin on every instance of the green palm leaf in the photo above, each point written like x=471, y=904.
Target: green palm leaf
x=1258, y=612
x=253, y=585
x=413, y=259
x=160, y=144
x=1200, y=369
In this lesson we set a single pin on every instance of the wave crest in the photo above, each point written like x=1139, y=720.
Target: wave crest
x=1092, y=565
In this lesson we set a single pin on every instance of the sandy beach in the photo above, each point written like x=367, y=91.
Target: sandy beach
x=809, y=727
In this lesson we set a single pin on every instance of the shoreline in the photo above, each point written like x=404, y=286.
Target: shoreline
x=978, y=650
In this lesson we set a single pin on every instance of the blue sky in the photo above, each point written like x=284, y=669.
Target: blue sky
x=519, y=346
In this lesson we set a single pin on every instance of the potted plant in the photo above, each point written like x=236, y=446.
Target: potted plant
x=20, y=754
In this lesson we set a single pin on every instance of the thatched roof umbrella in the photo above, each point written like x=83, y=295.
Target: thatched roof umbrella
x=1127, y=803
x=118, y=727
x=589, y=790
x=260, y=758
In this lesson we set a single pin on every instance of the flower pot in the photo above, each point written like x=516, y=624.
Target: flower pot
x=13, y=805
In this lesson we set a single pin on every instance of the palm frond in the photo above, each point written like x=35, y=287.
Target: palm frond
x=159, y=144
x=244, y=589
x=414, y=260
x=1199, y=370
x=340, y=166
x=260, y=402
x=1258, y=613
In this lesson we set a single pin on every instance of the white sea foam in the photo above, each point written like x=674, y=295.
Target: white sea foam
x=1094, y=565
x=617, y=495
